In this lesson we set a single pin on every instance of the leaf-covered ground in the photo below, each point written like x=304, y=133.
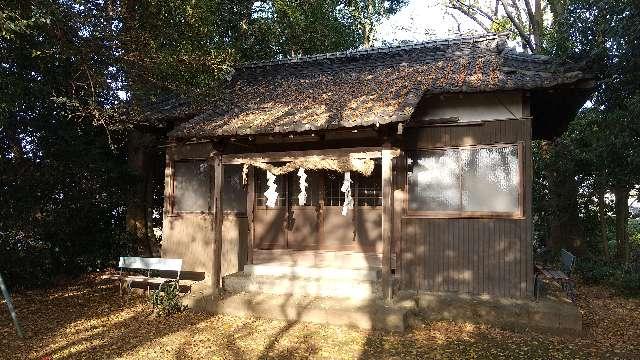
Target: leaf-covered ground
x=89, y=320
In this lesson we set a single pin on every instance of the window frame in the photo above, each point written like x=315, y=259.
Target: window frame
x=518, y=214
x=175, y=212
x=233, y=213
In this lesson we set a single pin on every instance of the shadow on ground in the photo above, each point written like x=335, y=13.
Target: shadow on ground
x=89, y=320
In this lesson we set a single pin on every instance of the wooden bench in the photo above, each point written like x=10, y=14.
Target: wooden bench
x=152, y=266
x=562, y=276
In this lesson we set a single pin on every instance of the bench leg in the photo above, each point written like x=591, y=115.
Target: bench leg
x=536, y=286
x=569, y=288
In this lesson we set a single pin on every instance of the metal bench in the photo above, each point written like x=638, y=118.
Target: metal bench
x=154, y=265
x=562, y=276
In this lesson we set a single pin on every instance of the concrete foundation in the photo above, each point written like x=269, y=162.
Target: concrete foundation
x=352, y=299
x=549, y=314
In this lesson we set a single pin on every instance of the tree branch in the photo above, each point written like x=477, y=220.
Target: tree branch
x=532, y=19
x=523, y=34
x=471, y=16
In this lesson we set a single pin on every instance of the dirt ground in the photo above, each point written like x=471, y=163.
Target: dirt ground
x=89, y=320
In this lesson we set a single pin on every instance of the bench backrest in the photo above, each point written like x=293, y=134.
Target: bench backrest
x=127, y=262
x=568, y=260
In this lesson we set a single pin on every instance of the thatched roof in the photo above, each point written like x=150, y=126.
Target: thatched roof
x=369, y=86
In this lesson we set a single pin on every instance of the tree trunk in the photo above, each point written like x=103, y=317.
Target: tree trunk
x=622, y=217
x=602, y=219
x=566, y=230
x=142, y=158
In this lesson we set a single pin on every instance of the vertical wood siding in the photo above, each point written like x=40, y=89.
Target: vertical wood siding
x=189, y=236
x=477, y=256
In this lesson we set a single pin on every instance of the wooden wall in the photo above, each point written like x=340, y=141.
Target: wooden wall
x=476, y=256
x=234, y=243
x=189, y=236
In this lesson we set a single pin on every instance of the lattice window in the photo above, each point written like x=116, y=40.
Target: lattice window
x=261, y=187
x=365, y=190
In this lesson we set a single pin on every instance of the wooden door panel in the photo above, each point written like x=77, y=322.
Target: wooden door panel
x=339, y=231
x=270, y=228
x=369, y=228
x=302, y=229
x=304, y=220
x=355, y=232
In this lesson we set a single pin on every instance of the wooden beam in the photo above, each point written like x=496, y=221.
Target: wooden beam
x=398, y=209
x=251, y=196
x=357, y=153
x=387, y=220
x=168, y=183
x=216, y=280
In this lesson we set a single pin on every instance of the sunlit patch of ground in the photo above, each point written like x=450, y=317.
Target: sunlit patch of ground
x=90, y=320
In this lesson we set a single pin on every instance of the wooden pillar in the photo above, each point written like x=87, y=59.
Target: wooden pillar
x=387, y=220
x=251, y=199
x=398, y=200
x=216, y=280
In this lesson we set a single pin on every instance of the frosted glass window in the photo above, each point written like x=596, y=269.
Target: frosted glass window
x=234, y=195
x=434, y=181
x=490, y=179
x=192, y=186
x=466, y=180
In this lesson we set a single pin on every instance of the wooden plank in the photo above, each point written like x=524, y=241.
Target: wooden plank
x=464, y=285
x=449, y=255
x=387, y=220
x=503, y=272
x=356, y=153
x=482, y=242
x=476, y=258
x=515, y=262
x=431, y=256
x=216, y=280
x=251, y=201
x=418, y=255
x=168, y=183
x=398, y=209
x=409, y=250
x=440, y=239
x=456, y=264
x=427, y=255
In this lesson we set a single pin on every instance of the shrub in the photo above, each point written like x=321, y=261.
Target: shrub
x=597, y=271
x=166, y=300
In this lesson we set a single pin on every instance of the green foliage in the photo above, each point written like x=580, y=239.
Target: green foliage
x=599, y=151
x=62, y=182
x=166, y=300
x=502, y=24
x=597, y=271
x=75, y=72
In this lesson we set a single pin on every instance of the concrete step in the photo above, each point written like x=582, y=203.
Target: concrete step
x=366, y=314
x=302, y=286
x=276, y=269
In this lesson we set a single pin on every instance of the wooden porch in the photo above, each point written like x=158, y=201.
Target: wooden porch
x=322, y=258
x=314, y=235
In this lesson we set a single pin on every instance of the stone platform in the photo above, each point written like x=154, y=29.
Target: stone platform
x=351, y=297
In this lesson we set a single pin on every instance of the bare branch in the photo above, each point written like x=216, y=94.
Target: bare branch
x=471, y=16
x=474, y=9
x=523, y=34
x=532, y=19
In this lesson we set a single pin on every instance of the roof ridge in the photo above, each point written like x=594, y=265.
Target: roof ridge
x=377, y=49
